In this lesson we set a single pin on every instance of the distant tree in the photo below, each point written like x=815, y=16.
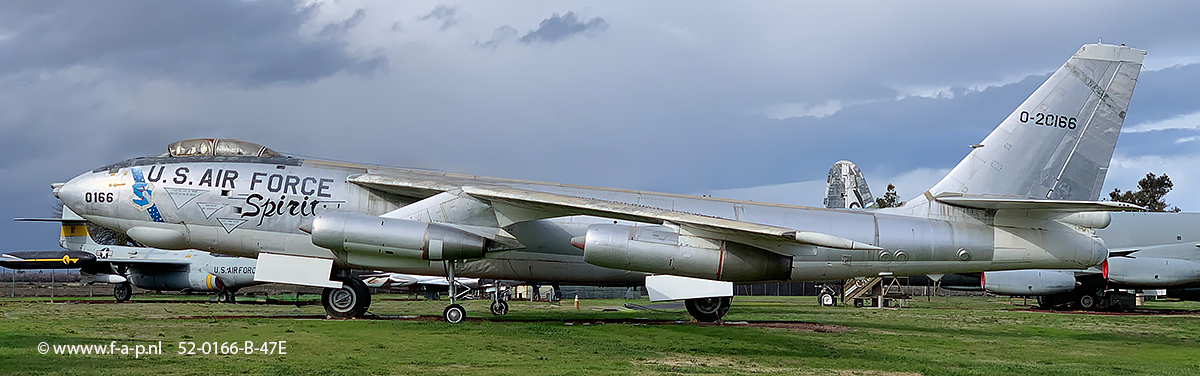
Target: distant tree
x=890, y=199
x=1149, y=195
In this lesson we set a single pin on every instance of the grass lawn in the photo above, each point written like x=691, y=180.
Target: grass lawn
x=945, y=336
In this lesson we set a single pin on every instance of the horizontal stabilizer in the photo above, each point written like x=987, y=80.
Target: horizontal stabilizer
x=1037, y=205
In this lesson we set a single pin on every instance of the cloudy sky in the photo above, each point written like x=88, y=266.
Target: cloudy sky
x=750, y=100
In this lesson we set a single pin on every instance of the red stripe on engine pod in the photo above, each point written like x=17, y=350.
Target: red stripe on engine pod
x=1104, y=269
x=983, y=281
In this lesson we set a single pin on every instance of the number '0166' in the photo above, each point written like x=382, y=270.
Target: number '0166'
x=1049, y=120
x=99, y=197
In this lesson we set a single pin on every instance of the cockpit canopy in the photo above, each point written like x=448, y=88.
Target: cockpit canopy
x=217, y=147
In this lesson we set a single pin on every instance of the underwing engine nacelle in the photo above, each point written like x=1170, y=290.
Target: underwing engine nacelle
x=1153, y=271
x=395, y=237
x=1029, y=282
x=178, y=281
x=658, y=249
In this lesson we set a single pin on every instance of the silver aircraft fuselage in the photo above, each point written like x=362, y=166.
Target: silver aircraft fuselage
x=244, y=205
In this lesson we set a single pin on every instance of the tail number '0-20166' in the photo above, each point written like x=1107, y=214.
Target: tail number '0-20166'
x=1049, y=120
x=101, y=197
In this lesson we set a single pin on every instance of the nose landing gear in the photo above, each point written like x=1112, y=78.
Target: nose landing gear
x=122, y=291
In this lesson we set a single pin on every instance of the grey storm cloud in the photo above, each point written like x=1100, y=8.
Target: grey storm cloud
x=558, y=27
x=500, y=35
x=445, y=14
x=245, y=42
x=550, y=30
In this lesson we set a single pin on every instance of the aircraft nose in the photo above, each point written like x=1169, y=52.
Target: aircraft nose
x=72, y=193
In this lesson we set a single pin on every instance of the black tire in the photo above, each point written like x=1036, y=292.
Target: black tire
x=454, y=314
x=349, y=301
x=708, y=309
x=858, y=303
x=1087, y=301
x=499, y=308
x=123, y=291
x=226, y=296
x=826, y=299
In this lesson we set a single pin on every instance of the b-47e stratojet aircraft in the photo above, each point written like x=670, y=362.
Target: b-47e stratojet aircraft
x=1013, y=203
x=147, y=268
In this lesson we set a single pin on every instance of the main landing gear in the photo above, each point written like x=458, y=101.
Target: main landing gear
x=226, y=296
x=708, y=309
x=455, y=313
x=122, y=291
x=350, y=301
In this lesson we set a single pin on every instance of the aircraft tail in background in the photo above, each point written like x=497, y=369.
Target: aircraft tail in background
x=846, y=188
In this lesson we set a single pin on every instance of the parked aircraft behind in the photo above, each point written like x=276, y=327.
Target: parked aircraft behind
x=1146, y=251
x=1013, y=203
x=147, y=268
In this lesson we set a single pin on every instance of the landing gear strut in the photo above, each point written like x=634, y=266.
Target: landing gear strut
x=499, y=305
x=349, y=301
x=122, y=291
x=708, y=309
x=226, y=296
x=453, y=313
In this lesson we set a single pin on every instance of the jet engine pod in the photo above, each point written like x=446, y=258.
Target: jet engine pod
x=658, y=249
x=352, y=232
x=1029, y=282
x=178, y=281
x=1153, y=271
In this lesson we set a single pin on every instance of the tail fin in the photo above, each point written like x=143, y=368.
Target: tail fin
x=1059, y=142
x=74, y=234
x=846, y=188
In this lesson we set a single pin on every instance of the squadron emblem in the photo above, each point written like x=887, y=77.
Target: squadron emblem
x=143, y=195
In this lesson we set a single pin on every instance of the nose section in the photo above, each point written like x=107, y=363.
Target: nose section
x=54, y=187
x=72, y=193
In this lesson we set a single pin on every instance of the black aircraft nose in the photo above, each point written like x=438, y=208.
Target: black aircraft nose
x=46, y=259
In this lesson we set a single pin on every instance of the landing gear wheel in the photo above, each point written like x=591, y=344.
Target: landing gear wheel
x=1087, y=301
x=454, y=314
x=349, y=301
x=1043, y=302
x=226, y=296
x=858, y=303
x=708, y=309
x=826, y=299
x=122, y=291
x=499, y=308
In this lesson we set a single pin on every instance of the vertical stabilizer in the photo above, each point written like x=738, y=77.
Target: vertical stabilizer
x=1058, y=144
x=74, y=234
x=846, y=188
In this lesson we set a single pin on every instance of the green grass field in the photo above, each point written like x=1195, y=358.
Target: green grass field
x=948, y=336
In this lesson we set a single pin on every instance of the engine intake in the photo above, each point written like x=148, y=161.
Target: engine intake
x=369, y=234
x=657, y=249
